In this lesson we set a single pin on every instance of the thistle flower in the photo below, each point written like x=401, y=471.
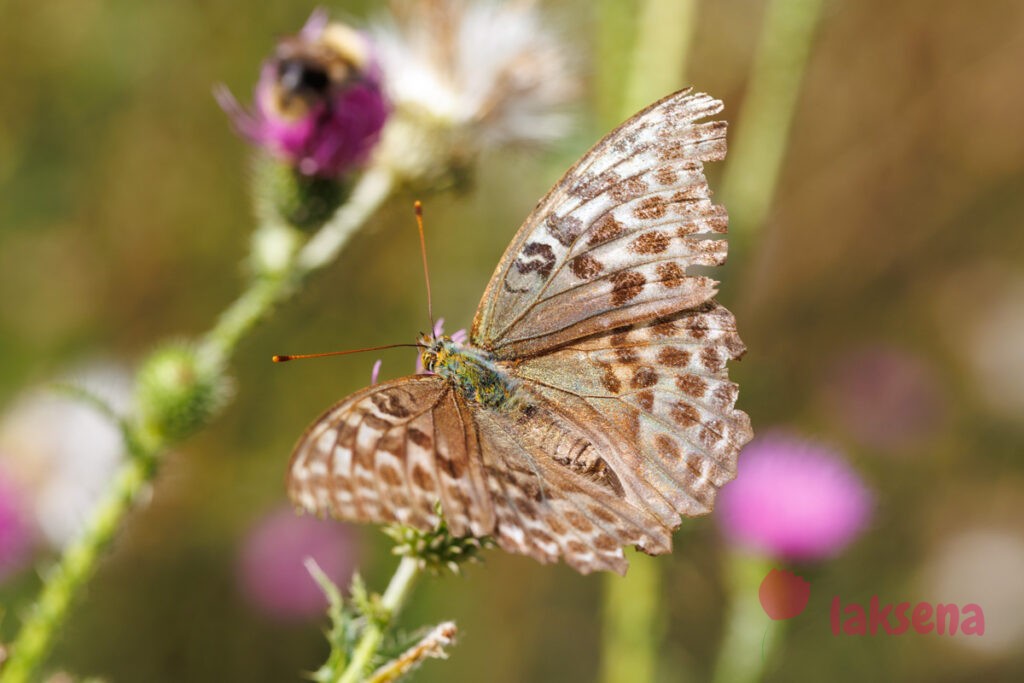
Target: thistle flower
x=318, y=105
x=61, y=453
x=793, y=499
x=466, y=76
x=271, y=567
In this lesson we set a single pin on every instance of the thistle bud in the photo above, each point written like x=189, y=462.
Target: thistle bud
x=177, y=392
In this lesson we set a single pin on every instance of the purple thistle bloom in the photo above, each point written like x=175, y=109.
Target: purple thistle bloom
x=271, y=566
x=16, y=534
x=319, y=103
x=793, y=499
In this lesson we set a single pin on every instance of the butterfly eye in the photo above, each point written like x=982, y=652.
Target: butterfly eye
x=429, y=358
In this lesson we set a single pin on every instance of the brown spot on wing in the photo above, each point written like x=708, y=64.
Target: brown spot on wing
x=646, y=399
x=664, y=329
x=627, y=285
x=628, y=189
x=605, y=230
x=671, y=274
x=585, y=266
x=666, y=175
x=610, y=381
x=602, y=514
x=390, y=475
x=673, y=357
x=651, y=208
x=453, y=466
x=692, y=385
x=578, y=521
x=644, y=377
x=653, y=242
x=422, y=479
x=710, y=360
x=667, y=447
x=685, y=414
x=626, y=355
x=724, y=396
x=389, y=404
x=376, y=423
x=420, y=438
x=699, y=328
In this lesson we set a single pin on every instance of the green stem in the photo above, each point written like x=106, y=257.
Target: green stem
x=764, y=122
x=78, y=562
x=632, y=622
x=391, y=603
x=633, y=617
x=265, y=293
x=76, y=567
x=665, y=30
x=750, y=636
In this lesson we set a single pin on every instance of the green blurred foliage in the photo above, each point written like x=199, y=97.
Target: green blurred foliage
x=124, y=218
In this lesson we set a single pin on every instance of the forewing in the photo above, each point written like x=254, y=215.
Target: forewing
x=611, y=243
x=390, y=453
x=665, y=387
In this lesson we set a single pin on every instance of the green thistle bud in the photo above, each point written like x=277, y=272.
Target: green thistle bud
x=437, y=550
x=177, y=392
x=300, y=200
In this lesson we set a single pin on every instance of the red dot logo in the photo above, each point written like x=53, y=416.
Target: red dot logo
x=783, y=594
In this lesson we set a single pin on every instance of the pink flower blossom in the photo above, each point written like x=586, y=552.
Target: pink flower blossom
x=319, y=103
x=271, y=571
x=793, y=499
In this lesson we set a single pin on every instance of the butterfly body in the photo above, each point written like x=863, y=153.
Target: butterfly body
x=473, y=372
x=591, y=407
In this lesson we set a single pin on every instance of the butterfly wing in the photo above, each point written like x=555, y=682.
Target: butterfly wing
x=535, y=476
x=560, y=487
x=611, y=243
x=663, y=384
x=389, y=453
x=593, y=300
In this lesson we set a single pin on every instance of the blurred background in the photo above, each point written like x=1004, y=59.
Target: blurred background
x=882, y=301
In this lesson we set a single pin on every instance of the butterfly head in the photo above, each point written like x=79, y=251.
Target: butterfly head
x=437, y=351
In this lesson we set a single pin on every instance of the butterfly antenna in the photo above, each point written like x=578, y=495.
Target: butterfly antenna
x=418, y=207
x=285, y=358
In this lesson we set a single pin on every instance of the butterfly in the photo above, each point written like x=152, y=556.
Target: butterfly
x=591, y=406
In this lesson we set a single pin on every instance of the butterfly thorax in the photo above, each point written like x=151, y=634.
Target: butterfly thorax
x=473, y=372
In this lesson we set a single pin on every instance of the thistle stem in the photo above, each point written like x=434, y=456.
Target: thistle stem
x=665, y=31
x=76, y=567
x=632, y=623
x=633, y=614
x=374, y=186
x=78, y=562
x=762, y=132
x=750, y=636
x=394, y=598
